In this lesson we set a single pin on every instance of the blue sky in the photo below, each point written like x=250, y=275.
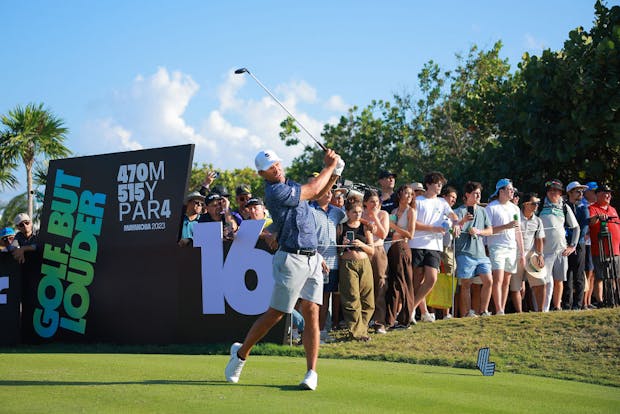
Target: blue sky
x=127, y=75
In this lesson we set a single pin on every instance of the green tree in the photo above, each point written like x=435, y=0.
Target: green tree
x=445, y=127
x=229, y=179
x=563, y=119
x=30, y=132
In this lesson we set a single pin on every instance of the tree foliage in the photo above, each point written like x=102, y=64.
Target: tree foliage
x=555, y=116
x=563, y=120
x=30, y=132
x=229, y=179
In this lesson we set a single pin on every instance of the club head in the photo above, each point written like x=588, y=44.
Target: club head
x=241, y=70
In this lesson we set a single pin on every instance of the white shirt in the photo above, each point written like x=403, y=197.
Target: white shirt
x=431, y=211
x=501, y=214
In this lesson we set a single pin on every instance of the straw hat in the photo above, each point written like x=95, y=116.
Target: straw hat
x=531, y=266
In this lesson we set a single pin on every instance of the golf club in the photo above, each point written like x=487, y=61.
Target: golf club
x=245, y=70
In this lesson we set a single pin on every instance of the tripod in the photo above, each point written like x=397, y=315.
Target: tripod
x=611, y=294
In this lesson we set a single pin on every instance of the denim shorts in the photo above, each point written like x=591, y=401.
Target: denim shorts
x=468, y=267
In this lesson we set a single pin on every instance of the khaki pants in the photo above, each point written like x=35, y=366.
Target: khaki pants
x=356, y=295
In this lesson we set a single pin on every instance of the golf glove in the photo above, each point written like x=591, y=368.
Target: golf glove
x=339, y=168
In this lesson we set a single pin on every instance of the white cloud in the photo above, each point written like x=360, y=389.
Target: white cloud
x=112, y=137
x=336, y=103
x=151, y=112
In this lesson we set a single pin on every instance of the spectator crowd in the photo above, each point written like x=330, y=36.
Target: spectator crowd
x=384, y=249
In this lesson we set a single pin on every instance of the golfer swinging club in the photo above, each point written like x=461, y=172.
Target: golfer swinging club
x=297, y=268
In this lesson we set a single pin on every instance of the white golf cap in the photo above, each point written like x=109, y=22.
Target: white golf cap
x=575, y=184
x=265, y=159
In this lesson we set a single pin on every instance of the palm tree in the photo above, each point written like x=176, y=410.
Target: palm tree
x=30, y=132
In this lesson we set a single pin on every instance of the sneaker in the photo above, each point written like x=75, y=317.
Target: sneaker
x=448, y=316
x=235, y=364
x=471, y=314
x=499, y=312
x=380, y=329
x=485, y=313
x=310, y=381
x=427, y=317
x=326, y=337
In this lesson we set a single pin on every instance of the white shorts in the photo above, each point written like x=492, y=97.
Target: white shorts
x=503, y=258
x=296, y=276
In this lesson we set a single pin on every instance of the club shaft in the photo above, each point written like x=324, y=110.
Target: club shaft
x=287, y=111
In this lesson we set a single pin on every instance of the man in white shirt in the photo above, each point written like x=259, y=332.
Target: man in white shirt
x=505, y=219
x=427, y=243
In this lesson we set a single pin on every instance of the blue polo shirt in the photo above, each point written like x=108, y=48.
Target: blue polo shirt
x=293, y=219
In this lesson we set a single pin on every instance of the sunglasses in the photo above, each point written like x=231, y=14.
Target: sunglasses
x=8, y=238
x=23, y=224
x=198, y=203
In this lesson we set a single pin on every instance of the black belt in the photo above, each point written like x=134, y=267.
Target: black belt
x=305, y=252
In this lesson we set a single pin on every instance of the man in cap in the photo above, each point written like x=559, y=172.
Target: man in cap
x=214, y=206
x=243, y=193
x=505, y=241
x=194, y=203
x=7, y=240
x=602, y=212
x=387, y=180
x=297, y=267
x=256, y=211
x=418, y=188
x=556, y=218
x=223, y=192
x=26, y=237
x=533, y=233
x=575, y=277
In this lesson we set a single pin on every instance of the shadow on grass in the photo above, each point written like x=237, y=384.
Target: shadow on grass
x=30, y=383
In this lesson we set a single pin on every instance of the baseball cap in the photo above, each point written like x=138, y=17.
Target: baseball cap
x=7, y=231
x=555, y=183
x=386, y=173
x=221, y=190
x=575, y=185
x=592, y=185
x=21, y=217
x=243, y=189
x=504, y=182
x=255, y=202
x=265, y=159
x=212, y=197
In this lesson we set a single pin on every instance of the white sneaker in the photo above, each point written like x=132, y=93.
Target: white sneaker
x=499, y=312
x=448, y=316
x=235, y=365
x=427, y=317
x=471, y=314
x=485, y=313
x=310, y=381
